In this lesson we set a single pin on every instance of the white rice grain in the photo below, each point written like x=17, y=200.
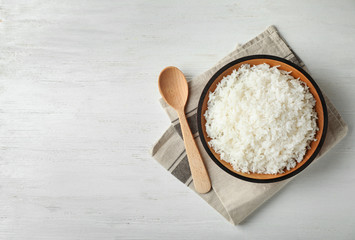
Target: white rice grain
x=261, y=119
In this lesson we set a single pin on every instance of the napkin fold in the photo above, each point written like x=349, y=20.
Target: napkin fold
x=233, y=198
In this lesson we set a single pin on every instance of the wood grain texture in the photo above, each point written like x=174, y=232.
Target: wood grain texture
x=79, y=114
x=175, y=91
x=198, y=169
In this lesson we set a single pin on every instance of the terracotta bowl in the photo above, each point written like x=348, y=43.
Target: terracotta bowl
x=297, y=72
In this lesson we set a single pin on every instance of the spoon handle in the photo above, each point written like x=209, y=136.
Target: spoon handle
x=199, y=173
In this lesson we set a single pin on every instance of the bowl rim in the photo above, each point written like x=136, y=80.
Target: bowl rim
x=205, y=144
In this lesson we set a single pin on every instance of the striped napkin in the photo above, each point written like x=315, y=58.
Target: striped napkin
x=233, y=198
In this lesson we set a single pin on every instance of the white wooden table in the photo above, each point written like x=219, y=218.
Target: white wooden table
x=79, y=113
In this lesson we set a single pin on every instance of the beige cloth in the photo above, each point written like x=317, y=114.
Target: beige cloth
x=234, y=199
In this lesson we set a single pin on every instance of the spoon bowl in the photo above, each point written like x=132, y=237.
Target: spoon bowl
x=173, y=87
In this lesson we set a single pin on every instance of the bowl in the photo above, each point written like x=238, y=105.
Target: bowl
x=296, y=72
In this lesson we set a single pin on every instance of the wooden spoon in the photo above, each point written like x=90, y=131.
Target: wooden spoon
x=174, y=89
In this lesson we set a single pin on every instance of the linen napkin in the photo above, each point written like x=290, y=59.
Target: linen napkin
x=234, y=199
